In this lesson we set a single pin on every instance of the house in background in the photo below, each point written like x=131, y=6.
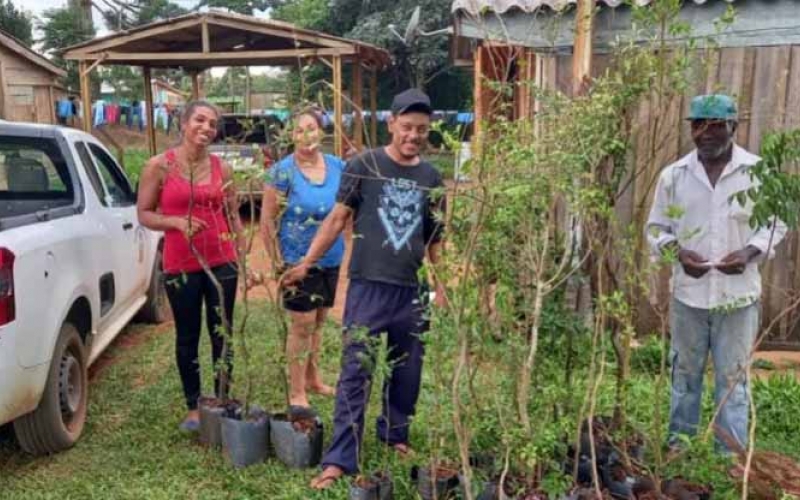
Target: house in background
x=165, y=93
x=756, y=59
x=30, y=84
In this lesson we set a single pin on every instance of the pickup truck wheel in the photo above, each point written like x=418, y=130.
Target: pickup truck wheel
x=156, y=309
x=57, y=423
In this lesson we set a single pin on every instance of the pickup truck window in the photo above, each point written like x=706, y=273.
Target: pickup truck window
x=33, y=169
x=91, y=171
x=117, y=187
x=108, y=181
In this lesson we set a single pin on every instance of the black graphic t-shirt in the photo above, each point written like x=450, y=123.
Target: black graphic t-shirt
x=395, y=216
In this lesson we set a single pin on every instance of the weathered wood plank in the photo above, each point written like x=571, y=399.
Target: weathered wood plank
x=769, y=92
x=746, y=97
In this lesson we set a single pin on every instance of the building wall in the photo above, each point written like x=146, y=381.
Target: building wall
x=28, y=91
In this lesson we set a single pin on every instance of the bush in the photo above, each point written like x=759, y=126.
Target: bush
x=134, y=163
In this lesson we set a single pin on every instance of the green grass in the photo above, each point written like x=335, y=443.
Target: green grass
x=134, y=160
x=132, y=449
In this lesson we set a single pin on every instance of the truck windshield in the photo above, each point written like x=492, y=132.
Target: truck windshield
x=33, y=169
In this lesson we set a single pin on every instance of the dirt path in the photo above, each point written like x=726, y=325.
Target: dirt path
x=258, y=260
x=784, y=362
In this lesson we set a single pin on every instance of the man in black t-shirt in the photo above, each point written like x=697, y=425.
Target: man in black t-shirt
x=392, y=195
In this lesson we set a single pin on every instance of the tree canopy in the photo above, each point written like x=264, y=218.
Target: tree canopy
x=16, y=22
x=61, y=28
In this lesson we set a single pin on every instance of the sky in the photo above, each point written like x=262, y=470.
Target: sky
x=37, y=7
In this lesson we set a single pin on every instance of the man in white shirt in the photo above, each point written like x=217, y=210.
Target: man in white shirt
x=716, y=284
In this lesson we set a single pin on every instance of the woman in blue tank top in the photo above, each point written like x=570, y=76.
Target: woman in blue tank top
x=298, y=195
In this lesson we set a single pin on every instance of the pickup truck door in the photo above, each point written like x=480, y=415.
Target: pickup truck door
x=117, y=216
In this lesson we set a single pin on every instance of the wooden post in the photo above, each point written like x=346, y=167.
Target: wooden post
x=52, y=98
x=86, y=96
x=338, y=143
x=582, y=54
x=195, y=85
x=373, y=107
x=477, y=94
x=3, y=91
x=148, y=110
x=247, y=89
x=205, y=38
x=527, y=80
x=358, y=107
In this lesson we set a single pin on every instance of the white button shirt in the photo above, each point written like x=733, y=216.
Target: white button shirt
x=707, y=220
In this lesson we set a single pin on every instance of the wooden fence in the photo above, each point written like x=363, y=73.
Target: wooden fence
x=766, y=83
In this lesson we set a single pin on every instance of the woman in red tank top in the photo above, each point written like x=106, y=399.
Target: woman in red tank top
x=187, y=193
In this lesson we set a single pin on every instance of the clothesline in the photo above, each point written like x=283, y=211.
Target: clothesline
x=450, y=116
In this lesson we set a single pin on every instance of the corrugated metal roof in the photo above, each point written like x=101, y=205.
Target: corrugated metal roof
x=476, y=7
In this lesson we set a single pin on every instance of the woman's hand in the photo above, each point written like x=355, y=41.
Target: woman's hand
x=189, y=225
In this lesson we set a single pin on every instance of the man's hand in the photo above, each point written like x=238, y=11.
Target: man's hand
x=253, y=279
x=736, y=262
x=295, y=275
x=693, y=264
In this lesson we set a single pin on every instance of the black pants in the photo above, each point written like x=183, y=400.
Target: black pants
x=186, y=293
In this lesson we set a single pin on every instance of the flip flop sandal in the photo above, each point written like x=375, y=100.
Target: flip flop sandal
x=297, y=412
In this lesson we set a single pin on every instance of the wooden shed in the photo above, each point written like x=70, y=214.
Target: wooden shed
x=165, y=93
x=29, y=83
x=199, y=41
x=756, y=59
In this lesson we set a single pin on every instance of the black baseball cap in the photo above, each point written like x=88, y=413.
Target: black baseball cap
x=411, y=100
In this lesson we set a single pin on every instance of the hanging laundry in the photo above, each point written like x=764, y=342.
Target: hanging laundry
x=143, y=115
x=161, y=117
x=98, y=112
x=465, y=118
x=64, y=111
x=112, y=113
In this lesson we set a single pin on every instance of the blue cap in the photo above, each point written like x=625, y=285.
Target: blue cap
x=712, y=107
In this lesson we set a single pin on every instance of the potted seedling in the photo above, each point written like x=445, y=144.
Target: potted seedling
x=438, y=481
x=296, y=436
x=377, y=485
x=245, y=433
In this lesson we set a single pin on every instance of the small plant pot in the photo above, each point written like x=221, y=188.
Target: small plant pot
x=435, y=483
x=212, y=410
x=681, y=489
x=616, y=478
x=298, y=444
x=483, y=490
x=385, y=485
x=378, y=486
x=246, y=441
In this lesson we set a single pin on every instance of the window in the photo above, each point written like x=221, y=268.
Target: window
x=94, y=179
x=21, y=94
x=33, y=169
x=118, y=191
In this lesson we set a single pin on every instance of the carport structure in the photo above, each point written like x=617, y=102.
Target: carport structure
x=199, y=41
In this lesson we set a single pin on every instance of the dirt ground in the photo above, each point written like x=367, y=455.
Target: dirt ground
x=259, y=262
x=132, y=138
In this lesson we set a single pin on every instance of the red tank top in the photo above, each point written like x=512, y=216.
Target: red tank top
x=207, y=202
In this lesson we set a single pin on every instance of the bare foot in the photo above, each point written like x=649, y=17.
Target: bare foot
x=403, y=449
x=327, y=477
x=321, y=388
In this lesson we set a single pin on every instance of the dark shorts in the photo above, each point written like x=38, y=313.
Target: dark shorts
x=317, y=291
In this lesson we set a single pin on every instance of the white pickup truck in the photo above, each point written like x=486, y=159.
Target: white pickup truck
x=75, y=268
